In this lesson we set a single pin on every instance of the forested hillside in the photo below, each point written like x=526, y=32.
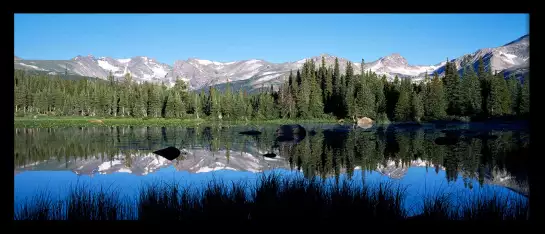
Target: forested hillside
x=314, y=91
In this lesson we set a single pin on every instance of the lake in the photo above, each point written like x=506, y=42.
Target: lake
x=458, y=158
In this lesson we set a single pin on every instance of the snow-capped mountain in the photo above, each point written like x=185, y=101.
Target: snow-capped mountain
x=255, y=73
x=141, y=68
x=201, y=73
x=511, y=57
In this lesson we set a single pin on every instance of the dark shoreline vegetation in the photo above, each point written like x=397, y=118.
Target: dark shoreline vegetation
x=313, y=92
x=270, y=197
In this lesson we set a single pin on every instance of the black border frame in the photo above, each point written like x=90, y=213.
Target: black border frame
x=535, y=167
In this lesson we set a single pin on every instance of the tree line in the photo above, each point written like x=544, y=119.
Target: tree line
x=314, y=91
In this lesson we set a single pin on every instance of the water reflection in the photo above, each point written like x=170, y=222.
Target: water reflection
x=487, y=154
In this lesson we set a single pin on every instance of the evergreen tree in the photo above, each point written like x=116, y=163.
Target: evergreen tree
x=197, y=106
x=328, y=91
x=499, y=99
x=524, y=107
x=128, y=79
x=485, y=86
x=114, y=103
x=435, y=99
x=173, y=109
x=123, y=101
x=365, y=98
x=337, y=90
x=303, y=97
x=153, y=101
x=249, y=107
x=417, y=107
x=239, y=106
x=506, y=98
x=316, y=106
x=380, y=99
x=392, y=96
x=227, y=102
x=451, y=83
x=471, y=89
x=349, y=96
x=111, y=78
x=513, y=86
x=403, y=105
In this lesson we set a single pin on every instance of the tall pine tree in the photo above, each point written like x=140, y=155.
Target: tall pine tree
x=435, y=99
x=471, y=90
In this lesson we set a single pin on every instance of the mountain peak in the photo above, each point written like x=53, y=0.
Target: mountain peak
x=327, y=55
x=394, y=59
x=519, y=40
x=83, y=57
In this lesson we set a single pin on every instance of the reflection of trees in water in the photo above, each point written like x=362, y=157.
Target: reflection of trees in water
x=324, y=154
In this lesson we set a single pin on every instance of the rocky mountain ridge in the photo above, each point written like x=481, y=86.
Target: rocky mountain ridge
x=255, y=73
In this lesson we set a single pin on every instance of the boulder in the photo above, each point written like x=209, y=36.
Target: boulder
x=169, y=153
x=269, y=155
x=290, y=132
x=364, y=122
x=98, y=121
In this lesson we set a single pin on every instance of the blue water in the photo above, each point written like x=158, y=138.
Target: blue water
x=418, y=182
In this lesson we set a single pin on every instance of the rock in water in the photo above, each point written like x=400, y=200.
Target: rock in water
x=270, y=155
x=364, y=122
x=169, y=153
x=251, y=132
x=290, y=132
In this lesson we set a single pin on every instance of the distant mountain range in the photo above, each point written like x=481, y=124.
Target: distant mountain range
x=252, y=74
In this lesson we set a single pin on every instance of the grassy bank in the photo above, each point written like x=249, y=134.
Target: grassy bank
x=271, y=198
x=52, y=122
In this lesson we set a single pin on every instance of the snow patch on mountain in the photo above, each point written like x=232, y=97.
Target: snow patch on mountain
x=266, y=78
x=107, y=165
x=107, y=66
x=252, y=61
x=204, y=62
x=159, y=72
x=125, y=170
x=124, y=60
x=32, y=66
x=508, y=57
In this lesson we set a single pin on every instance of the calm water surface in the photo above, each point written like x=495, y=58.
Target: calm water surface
x=460, y=158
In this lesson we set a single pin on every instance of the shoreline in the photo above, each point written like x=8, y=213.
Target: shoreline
x=75, y=121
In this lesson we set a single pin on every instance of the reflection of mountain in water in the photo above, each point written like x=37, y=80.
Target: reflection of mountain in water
x=505, y=179
x=396, y=169
x=499, y=158
x=201, y=161
x=140, y=163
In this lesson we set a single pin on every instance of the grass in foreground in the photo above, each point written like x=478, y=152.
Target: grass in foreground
x=270, y=198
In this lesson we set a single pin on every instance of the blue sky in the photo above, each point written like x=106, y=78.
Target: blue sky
x=421, y=38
